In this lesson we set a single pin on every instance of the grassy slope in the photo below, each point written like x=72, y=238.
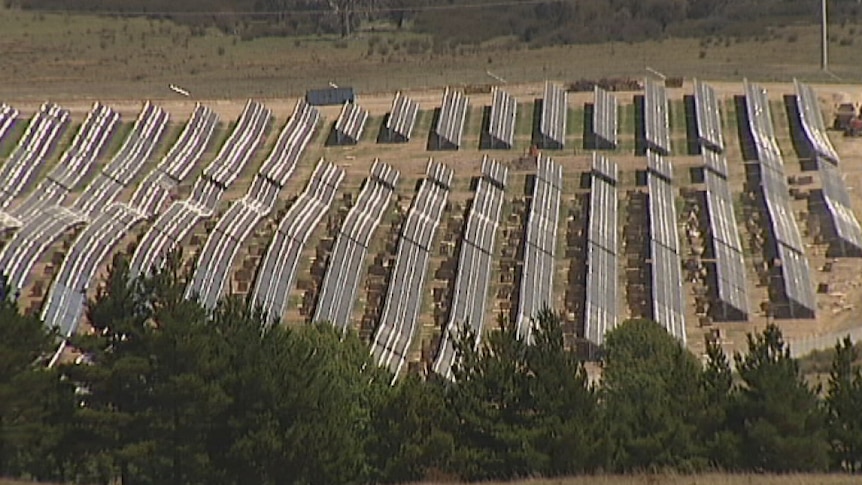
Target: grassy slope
x=62, y=56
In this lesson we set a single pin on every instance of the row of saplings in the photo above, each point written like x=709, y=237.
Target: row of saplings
x=169, y=394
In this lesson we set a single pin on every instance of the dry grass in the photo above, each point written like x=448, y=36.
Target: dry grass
x=707, y=479
x=79, y=56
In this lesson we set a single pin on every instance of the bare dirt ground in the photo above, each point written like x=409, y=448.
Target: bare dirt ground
x=76, y=60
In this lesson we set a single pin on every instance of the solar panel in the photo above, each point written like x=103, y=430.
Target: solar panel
x=708, y=117
x=715, y=161
x=667, y=290
x=603, y=215
x=796, y=277
x=605, y=119
x=501, y=124
x=552, y=125
x=659, y=165
x=600, y=305
x=603, y=167
x=662, y=213
x=656, y=121
x=730, y=277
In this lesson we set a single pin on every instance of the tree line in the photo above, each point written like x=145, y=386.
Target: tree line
x=165, y=392
x=470, y=21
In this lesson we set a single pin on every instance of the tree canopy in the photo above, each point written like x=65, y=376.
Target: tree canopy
x=166, y=392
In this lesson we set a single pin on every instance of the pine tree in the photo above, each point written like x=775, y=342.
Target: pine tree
x=777, y=416
x=843, y=406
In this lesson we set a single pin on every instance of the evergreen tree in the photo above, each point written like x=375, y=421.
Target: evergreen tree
x=843, y=401
x=653, y=399
x=719, y=443
x=34, y=403
x=777, y=416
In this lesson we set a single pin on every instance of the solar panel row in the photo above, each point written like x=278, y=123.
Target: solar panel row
x=540, y=246
x=666, y=272
x=656, y=121
x=600, y=306
x=730, y=284
x=709, y=132
x=790, y=262
x=401, y=120
x=350, y=124
x=450, y=124
x=605, y=119
x=37, y=234
x=341, y=280
x=63, y=306
x=501, y=123
x=8, y=115
x=837, y=200
x=467, y=306
x=228, y=163
x=230, y=232
x=812, y=122
x=552, y=125
x=277, y=272
x=39, y=138
x=178, y=220
x=397, y=326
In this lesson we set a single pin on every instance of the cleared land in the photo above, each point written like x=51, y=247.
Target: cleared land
x=61, y=56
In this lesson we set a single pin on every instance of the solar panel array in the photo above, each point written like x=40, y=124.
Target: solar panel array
x=709, y=132
x=230, y=232
x=729, y=282
x=552, y=125
x=277, y=272
x=401, y=120
x=64, y=304
x=787, y=243
x=727, y=249
x=836, y=199
x=540, y=245
x=666, y=278
x=37, y=234
x=71, y=169
x=341, y=281
x=178, y=220
x=350, y=124
x=813, y=125
x=501, y=123
x=605, y=119
x=44, y=129
x=600, y=306
x=656, y=121
x=450, y=124
x=8, y=115
x=397, y=325
x=467, y=306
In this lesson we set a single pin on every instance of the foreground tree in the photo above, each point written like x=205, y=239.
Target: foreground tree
x=34, y=403
x=843, y=401
x=653, y=399
x=776, y=414
x=521, y=409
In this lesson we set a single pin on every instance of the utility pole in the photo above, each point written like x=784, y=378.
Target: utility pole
x=824, y=38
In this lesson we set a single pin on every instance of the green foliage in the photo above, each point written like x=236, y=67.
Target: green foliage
x=776, y=415
x=522, y=409
x=170, y=393
x=653, y=399
x=842, y=403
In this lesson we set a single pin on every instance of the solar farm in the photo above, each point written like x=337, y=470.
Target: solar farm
x=409, y=217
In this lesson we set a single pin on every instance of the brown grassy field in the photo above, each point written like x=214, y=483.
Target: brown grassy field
x=78, y=56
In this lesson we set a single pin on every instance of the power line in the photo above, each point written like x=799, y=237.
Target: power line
x=293, y=12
